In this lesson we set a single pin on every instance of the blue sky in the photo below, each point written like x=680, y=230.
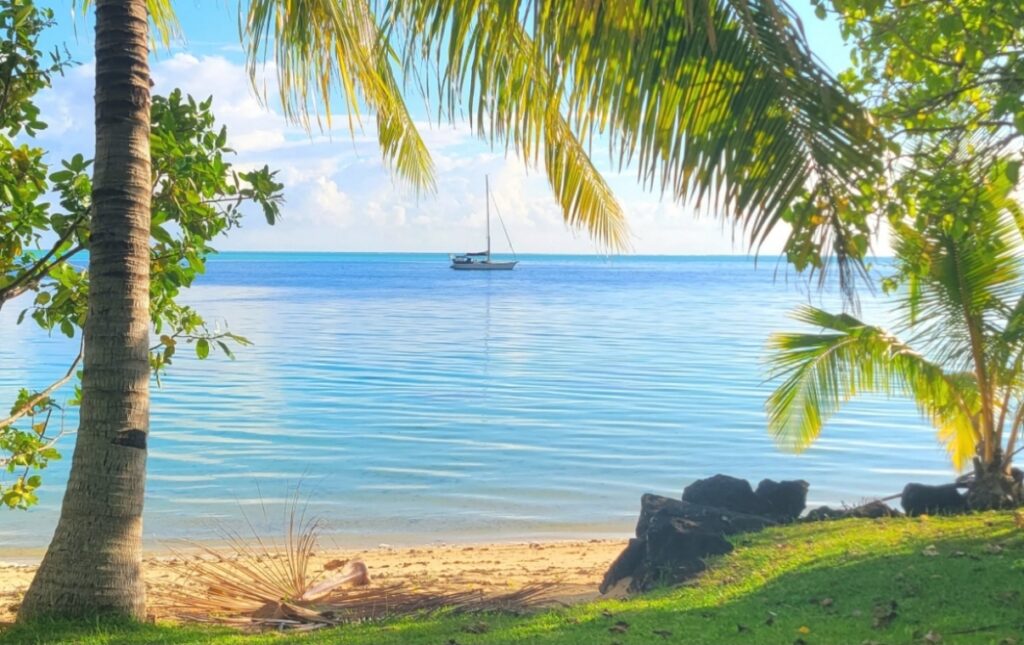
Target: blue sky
x=339, y=195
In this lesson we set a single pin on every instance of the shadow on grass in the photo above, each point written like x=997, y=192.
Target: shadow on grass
x=894, y=581
x=114, y=632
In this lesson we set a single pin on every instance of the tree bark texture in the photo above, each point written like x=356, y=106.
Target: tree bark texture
x=93, y=564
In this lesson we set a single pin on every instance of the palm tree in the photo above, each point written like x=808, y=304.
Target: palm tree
x=718, y=101
x=94, y=559
x=960, y=276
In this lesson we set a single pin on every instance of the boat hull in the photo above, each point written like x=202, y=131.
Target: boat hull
x=484, y=266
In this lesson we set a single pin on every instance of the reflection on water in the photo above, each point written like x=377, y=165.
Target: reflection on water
x=417, y=403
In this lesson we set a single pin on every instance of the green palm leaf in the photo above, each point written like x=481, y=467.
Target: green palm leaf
x=161, y=15
x=822, y=371
x=325, y=47
x=715, y=101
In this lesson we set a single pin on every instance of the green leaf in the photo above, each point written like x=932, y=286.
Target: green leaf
x=1013, y=172
x=160, y=234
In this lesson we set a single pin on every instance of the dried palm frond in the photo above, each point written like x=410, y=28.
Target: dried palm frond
x=266, y=583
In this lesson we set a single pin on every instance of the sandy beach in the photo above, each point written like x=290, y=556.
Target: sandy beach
x=575, y=567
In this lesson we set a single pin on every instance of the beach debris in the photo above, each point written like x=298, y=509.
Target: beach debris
x=620, y=627
x=873, y=510
x=477, y=628
x=265, y=583
x=884, y=614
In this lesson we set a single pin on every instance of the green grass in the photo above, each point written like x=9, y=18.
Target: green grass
x=821, y=583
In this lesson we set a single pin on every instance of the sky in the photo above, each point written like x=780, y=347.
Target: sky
x=340, y=196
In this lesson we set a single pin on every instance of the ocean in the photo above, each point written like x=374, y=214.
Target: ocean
x=405, y=403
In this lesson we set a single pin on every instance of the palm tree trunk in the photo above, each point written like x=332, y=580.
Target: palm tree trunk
x=93, y=564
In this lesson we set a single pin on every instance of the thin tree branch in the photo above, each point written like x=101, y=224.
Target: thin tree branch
x=49, y=444
x=42, y=395
x=26, y=280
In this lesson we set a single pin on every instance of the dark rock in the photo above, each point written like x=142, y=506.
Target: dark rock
x=725, y=492
x=710, y=518
x=651, y=504
x=871, y=510
x=783, y=501
x=822, y=513
x=672, y=540
x=676, y=549
x=625, y=565
x=874, y=510
x=919, y=499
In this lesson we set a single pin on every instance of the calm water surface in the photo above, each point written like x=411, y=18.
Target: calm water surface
x=414, y=403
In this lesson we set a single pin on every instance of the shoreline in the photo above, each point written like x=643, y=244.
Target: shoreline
x=352, y=542
x=574, y=567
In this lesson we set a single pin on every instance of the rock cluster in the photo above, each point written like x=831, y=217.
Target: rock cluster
x=673, y=537
x=871, y=510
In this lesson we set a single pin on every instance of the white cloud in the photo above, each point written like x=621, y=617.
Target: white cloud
x=333, y=207
x=341, y=197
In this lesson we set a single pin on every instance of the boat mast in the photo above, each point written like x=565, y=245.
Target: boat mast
x=487, y=186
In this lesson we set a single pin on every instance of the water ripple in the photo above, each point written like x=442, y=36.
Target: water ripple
x=414, y=401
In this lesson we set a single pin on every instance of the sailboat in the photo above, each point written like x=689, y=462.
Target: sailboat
x=481, y=260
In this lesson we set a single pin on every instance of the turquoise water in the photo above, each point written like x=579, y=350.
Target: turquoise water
x=414, y=403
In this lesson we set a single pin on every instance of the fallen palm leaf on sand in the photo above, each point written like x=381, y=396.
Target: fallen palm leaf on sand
x=264, y=583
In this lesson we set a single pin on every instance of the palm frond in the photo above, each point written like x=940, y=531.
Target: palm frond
x=161, y=15
x=823, y=371
x=965, y=261
x=492, y=66
x=715, y=101
x=322, y=48
x=165, y=22
x=278, y=582
x=531, y=104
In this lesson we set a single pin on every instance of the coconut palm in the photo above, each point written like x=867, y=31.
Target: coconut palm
x=715, y=101
x=960, y=279
x=94, y=557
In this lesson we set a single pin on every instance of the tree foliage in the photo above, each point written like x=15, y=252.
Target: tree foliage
x=932, y=70
x=719, y=102
x=944, y=82
x=197, y=197
x=958, y=280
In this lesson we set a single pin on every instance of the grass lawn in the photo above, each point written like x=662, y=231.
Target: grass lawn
x=927, y=580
